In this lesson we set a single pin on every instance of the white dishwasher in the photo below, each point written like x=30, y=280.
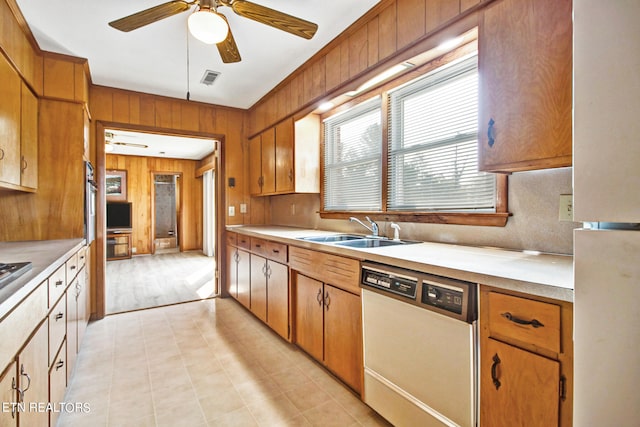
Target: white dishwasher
x=420, y=347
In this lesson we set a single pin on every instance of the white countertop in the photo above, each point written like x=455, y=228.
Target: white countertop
x=46, y=257
x=545, y=275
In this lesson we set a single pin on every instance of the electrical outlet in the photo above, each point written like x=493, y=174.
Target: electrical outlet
x=243, y=208
x=134, y=250
x=566, y=207
x=232, y=211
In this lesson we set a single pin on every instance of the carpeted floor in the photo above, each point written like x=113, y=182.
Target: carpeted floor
x=155, y=280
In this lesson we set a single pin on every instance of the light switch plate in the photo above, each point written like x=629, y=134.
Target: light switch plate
x=232, y=211
x=566, y=207
x=243, y=208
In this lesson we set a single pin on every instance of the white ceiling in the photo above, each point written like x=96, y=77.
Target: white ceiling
x=153, y=59
x=169, y=146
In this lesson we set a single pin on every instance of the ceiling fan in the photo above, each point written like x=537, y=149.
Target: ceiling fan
x=211, y=27
x=108, y=139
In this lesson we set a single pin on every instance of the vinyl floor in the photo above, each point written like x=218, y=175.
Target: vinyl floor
x=204, y=363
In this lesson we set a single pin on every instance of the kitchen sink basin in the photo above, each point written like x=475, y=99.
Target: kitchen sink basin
x=332, y=238
x=373, y=243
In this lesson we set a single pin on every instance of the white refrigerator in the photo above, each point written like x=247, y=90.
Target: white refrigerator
x=606, y=181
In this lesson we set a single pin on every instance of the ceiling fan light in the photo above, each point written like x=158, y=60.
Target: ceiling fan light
x=208, y=26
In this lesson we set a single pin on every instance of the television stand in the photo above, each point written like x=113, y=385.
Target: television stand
x=118, y=244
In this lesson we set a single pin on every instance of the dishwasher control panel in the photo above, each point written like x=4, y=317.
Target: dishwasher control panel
x=448, y=298
x=398, y=284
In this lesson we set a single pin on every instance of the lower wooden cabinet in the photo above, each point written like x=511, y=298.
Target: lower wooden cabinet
x=33, y=378
x=278, y=298
x=57, y=381
x=329, y=327
x=231, y=284
x=259, y=287
x=244, y=278
x=526, y=360
x=9, y=396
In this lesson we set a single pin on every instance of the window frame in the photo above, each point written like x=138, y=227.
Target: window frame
x=497, y=219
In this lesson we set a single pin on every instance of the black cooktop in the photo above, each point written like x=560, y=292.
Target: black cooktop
x=10, y=272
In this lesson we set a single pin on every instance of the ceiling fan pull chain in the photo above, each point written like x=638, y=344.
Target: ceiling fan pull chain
x=188, y=85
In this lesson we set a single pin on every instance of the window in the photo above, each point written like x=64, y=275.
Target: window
x=419, y=160
x=433, y=131
x=353, y=159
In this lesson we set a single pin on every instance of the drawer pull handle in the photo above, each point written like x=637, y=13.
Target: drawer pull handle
x=73, y=267
x=319, y=297
x=563, y=388
x=59, y=316
x=494, y=371
x=59, y=283
x=60, y=364
x=275, y=251
x=258, y=245
x=510, y=317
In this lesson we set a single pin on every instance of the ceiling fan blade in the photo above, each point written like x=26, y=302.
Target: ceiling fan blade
x=274, y=18
x=151, y=15
x=228, y=48
x=130, y=144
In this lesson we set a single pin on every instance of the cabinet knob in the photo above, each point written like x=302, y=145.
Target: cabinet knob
x=491, y=133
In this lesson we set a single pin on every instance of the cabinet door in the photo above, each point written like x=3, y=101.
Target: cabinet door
x=84, y=298
x=259, y=287
x=10, y=124
x=255, y=165
x=528, y=392
x=343, y=335
x=309, y=316
x=268, y=161
x=284, y=157
x=244, y=279
x=278, y=298
x=232, y=272
x=8, y=396
x=525, y=62
x=73, y=293
x=29, y=139
x=33, y=377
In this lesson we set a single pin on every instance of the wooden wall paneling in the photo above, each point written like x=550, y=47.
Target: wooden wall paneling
x=147, y=111
x=411, y=21
x=297, y=92
x=358, y=51
x=59, y=81
x=318, y=78
x=344, y=62
x=121, y=107
x=372, y=42
x=468, y=4
x=332, y=68
x=163, y=112
x=270, y=112
x=284, y=101
x=81, y=83
x=176, y=115
x=134, y=108
x=189, y=117
x=101, y=102
x=438, y=12
x=387, y=37
x=207, y=120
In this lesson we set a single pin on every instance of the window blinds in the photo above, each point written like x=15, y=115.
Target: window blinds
x=353, y=159
x=433, y=160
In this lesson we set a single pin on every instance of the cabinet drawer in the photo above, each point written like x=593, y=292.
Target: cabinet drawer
x=232, y=239
x=57, y=285
x=529, y=321
x=336, y=270
x=57, y=327
x=244, y=242
x=16, y=327
x=72, y=267
x=277, y=252
x=259, y=246
x=82, y=255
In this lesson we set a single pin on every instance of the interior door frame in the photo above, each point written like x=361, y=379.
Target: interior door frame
x=100, y=260
x=179, y=206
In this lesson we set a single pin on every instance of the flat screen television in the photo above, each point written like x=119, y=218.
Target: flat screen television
x=118, y=215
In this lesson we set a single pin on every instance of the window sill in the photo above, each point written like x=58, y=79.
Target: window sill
x=481, y=219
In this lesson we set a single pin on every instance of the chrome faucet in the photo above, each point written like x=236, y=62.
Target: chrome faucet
x=373, y=229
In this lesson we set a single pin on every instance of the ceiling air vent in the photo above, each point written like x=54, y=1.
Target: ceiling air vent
x=209, y=77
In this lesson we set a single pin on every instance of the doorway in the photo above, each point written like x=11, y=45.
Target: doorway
x=166, y=212
x=165, y=189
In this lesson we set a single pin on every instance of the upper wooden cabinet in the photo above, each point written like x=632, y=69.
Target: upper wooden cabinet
x=18, y=132
x=9, y=125
x=286, y=158
x=525, y=62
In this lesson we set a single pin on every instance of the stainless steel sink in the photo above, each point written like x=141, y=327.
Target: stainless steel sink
x=332, y=238
x=373, y=243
